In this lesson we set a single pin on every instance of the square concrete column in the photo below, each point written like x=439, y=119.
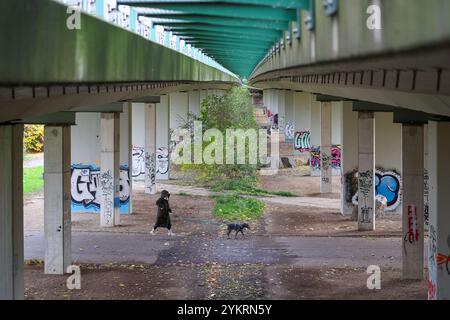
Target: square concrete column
x=281, y=95
x=163, y=139
x=349, y=158
x=11, y=212
x=366, y=171
x=110, y=169
x=150, y=149
x=413, y=188
x=126, y=160
x=439, y=225
x=57, y=213
x=194, y=102
x=325, y=148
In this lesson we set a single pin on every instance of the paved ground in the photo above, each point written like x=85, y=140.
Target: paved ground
x=296, y=251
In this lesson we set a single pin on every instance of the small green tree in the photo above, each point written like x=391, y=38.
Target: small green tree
x=33, y=138
x=230, y=111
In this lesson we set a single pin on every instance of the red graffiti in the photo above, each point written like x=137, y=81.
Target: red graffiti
x=442, y=259
x=431, y=290
x=413, y=231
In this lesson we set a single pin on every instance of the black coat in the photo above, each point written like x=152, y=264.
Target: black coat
x=163, y=217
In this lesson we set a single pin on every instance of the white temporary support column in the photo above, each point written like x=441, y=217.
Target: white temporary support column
x=162, y=138
x=126, y=160
x=57, y=211
x=349, y=157
x=281, y=95
x=315, y=134
x=110, y=169
x=413, y=187
x=11, y=212
x=150, y=149
x=194, y=102
x=366, y=171
x=325, y=148
x=439, y=228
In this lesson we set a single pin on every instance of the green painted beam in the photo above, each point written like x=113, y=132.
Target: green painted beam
x=41, y=50
x=217, y=20
x=229, y=30
x=240, y=37
x=220, y=9
x=293, y=4
x=227, y=45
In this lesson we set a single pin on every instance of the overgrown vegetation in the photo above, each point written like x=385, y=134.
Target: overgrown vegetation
x=231, y=111
x=236, y=208
x=32, y=179
x=33, y=138
x=247, y=187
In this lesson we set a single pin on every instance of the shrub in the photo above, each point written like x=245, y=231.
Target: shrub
x=34, y=138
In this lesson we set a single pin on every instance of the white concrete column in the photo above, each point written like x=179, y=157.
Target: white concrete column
x=162, y=139
x=110, y=169
x=289, y=125
x=439, y=234
x=281, y=95
x=203, y=95
x=413, y=218
x=178, y=103
x=194, y=102
x=150, y=149
x=314, y=155
x=57, y=201
x=366, y=171
x=11, y=212
x=349, y=157
x=325, y=148
x=126, y=160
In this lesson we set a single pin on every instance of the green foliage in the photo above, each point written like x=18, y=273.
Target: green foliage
x=32, y=179
x=247, y=187
x=234, y=207
x=230, y=111
x=33, y=138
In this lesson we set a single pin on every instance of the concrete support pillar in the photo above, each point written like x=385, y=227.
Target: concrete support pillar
x=126, y=160
x=366, y=171
x=57, y=201
x=194, y=102
x=349, y=158
x=281, y=96
x=11, y=212
x=413, y=218
x=150, y=149
x=439, y=235
x=289, y=125
x=315, y=123
x=110, y=169
x=162, y=138
x=325, y=148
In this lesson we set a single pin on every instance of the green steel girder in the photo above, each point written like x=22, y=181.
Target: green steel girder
x=216, y=20
x=228, y=41
x=218, y=8
x=228, y=30
x=225, y=36
x=41, y=50
x=291, y=4
x=227, y=44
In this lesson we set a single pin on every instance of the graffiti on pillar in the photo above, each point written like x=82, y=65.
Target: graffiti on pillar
x=365, y=185
x=85, y=182
x=412, y=235
x=107, y=192
x=334, y=160
x=432, y=263
x=443, y=260
x=426, y=197
x=302, y=141
x=289, y=131
x=150, y=171
x=387, y=184
x=326, y=161
x=138, y=156
x=162, y=160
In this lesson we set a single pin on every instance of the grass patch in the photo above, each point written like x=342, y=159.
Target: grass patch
x=234, y=207
x=247, y=187
x=32, y=179
x=184, y=194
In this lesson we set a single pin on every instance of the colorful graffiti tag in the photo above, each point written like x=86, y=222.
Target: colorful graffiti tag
x=162, y=160
x=335, y=157
x=387, y=184
x=85, y=188
x=302, y=141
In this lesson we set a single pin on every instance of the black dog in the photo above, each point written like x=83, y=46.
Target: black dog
x=238, y=227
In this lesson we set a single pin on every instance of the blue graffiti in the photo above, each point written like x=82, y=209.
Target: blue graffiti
x=388, y=186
